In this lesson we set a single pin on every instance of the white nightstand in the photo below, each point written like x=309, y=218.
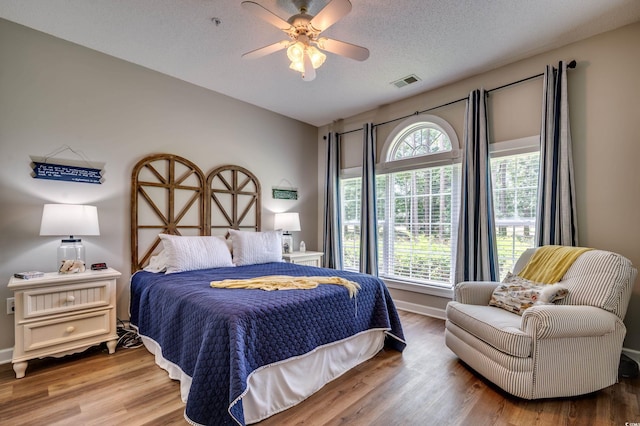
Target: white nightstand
x=61, y=314
x=310, y=258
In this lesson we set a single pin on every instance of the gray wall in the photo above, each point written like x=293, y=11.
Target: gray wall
x=604, y=94
x=54, y=93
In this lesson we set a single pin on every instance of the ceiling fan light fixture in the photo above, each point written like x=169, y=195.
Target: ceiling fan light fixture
x=304, y=31
x=316, y=56
x=305, y=58
x=297, y=66
x=295, y=52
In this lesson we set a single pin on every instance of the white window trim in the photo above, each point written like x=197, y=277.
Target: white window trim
x=430, y=289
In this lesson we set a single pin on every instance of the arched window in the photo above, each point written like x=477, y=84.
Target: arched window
x=422, y=138
x=418, y=141
x=418, y=193
x=419, y=187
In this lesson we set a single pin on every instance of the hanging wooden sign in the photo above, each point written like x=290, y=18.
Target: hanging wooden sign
x=66, y=173
x=84, y=171
x=284, y=194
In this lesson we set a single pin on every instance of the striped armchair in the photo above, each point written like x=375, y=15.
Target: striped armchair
x=564, y=349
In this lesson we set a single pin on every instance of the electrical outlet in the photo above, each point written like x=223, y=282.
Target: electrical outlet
x=11, y=305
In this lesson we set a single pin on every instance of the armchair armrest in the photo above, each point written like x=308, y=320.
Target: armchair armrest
x=474, y=292
x=551, y=321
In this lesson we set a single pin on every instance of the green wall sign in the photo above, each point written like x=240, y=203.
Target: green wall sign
x=285, y=194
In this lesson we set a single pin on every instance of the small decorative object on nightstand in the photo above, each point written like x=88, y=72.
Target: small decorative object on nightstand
x=309, y=258
x=57, y=315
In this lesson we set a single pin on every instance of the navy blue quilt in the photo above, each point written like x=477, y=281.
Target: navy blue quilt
x=219, y=336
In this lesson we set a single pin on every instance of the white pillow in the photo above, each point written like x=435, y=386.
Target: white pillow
x=250, y=248
x=157, y=263
x=190, y=253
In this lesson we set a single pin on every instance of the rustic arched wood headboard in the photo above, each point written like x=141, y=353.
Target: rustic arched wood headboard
x=171, y=195
x=233, y=200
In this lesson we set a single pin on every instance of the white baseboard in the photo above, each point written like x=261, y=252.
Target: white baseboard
x=633, y=354
x=420, y=309
x=6, y=355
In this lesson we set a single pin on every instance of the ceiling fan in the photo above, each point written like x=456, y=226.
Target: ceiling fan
x=304, y=37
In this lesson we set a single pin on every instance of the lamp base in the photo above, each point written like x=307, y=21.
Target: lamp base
x=287, y=243
x=72, y=266
x=71, y=256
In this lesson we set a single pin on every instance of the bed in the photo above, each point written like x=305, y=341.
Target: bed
x=241, y=354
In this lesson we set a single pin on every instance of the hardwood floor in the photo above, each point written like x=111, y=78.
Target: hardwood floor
x=425, y=385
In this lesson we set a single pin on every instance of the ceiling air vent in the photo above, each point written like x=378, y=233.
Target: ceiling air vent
x=405, y=81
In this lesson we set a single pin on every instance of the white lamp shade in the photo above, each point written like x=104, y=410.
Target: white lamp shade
x=287, y=222
x=69, y=219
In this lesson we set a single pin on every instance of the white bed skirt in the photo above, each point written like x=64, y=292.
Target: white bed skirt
x=276, y=387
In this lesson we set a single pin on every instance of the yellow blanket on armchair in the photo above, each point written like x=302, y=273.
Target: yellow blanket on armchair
x=285, y=282
x=549, y=263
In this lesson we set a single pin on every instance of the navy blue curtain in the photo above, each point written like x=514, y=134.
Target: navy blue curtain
x=332, y=243
x=368, y=220
x=556, y=214
x=477, y=255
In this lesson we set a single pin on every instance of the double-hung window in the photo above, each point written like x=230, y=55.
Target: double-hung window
x=350, y=202
x=514, y=173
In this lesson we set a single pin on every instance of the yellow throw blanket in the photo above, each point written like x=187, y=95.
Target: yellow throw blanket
x=549, y=263
x=284, y=282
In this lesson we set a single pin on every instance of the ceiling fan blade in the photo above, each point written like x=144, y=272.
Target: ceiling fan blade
x=266, y=15
x=342, y=48
x=266, y=50
x=330, y=14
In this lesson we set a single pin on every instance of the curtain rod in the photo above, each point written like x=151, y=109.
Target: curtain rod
x=571, y=64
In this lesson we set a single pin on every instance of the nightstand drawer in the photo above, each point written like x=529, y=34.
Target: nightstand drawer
x=49, y=301
x=309, y=258
x=308, y=262
x=56, y=332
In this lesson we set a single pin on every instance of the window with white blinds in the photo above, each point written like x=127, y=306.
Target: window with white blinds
x=350, y=190
x=515, y=196
x=418, y=231
x=417, y=186
x=418, y=203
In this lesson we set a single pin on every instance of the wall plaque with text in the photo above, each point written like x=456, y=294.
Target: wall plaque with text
x=66, y=173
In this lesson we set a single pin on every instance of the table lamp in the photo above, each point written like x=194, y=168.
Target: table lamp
x=287, y=222
x=72, y=220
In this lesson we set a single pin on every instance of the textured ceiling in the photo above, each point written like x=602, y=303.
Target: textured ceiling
x=438, y=40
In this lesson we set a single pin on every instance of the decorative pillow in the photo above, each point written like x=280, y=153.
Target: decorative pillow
x=186, y=253
x=250, y=248
x=516, y=294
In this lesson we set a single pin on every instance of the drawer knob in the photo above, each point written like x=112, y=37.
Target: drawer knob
x=71, y=298
x=71, y=329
